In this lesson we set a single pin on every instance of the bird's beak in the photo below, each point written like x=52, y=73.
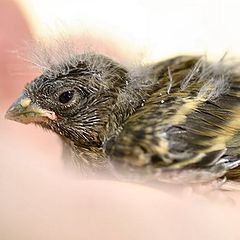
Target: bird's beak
x=25, y=111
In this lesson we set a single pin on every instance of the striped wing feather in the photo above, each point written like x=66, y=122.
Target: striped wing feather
x=191, y=122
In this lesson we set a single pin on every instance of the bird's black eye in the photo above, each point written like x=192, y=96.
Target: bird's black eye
x=65, y=97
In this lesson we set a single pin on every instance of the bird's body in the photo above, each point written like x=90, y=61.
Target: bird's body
x=176, y=120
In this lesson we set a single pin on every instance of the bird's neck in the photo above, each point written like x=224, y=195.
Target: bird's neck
x=88, y=160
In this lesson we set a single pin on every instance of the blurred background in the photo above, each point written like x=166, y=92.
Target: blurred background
x=36, y=201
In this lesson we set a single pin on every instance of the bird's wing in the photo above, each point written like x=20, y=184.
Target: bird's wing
x=191, y=122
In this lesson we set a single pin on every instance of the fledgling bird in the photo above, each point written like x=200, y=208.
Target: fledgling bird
x=177, y=120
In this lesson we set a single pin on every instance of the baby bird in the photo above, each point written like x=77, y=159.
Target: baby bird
x=177, y=120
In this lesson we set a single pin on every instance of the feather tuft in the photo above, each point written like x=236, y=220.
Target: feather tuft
x=215, y=78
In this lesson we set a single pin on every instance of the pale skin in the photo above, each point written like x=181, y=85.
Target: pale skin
x=40, y=200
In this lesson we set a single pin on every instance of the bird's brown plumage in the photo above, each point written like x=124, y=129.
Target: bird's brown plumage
x=176, y=120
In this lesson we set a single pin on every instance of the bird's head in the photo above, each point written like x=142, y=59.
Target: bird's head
x=74, y=99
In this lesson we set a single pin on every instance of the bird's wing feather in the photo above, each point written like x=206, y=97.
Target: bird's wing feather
x=193, y=124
